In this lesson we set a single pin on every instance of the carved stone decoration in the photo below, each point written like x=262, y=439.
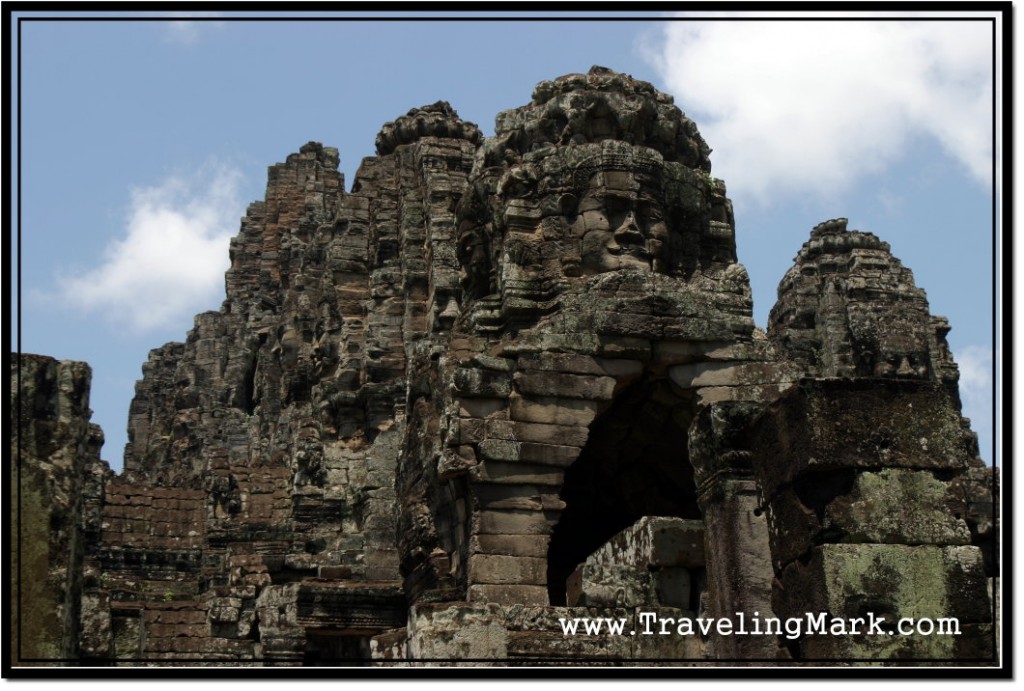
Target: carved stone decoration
x=502, y=382
x=848, y=308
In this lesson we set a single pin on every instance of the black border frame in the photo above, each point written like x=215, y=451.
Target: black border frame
x=1002, y=264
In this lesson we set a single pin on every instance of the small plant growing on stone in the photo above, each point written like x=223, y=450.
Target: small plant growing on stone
x=709, y=182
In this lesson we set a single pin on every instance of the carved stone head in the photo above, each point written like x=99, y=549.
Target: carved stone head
x=620, y=219
x=849, y=308
x=600, y=173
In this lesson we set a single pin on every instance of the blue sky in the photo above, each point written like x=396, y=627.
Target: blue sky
x=144, y=141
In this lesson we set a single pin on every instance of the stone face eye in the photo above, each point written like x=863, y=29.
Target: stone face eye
x=651, y=213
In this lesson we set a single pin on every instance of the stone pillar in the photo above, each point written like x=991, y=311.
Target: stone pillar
x=739, y=573
x=861, y=484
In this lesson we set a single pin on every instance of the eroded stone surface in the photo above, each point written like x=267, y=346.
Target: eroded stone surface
x=849, y=308
x=56, y=477
x=891, y=582
x=655, y=562
x=426, y=401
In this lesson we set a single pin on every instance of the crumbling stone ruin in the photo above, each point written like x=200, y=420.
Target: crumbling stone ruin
x=501, y=383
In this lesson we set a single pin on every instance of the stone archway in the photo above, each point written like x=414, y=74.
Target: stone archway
x=635, y=464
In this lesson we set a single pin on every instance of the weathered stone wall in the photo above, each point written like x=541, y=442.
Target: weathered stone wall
x=656, y=561
x=468, y=398
x=862, y=481
x=600, y=276
x=263, y=450
x=868, y=472
x=56, y=477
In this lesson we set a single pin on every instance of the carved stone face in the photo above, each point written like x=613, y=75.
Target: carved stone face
x=621, y=223
x=900, y=365
x=894, y=344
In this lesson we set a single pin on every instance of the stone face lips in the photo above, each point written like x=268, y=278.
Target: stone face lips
x=498, y=377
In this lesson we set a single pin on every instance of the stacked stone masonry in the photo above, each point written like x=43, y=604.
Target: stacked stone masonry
x=499, y=383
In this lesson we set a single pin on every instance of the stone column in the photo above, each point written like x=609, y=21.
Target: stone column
x=739, y=573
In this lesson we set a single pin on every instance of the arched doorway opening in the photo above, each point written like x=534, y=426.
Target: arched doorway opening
x=635, y=464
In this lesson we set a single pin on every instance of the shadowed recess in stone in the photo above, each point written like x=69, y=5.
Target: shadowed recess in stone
x=635, y=464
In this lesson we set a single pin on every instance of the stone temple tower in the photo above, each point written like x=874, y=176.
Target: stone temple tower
x=503, y=383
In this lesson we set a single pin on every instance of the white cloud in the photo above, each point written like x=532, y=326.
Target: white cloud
x=170, y=261
x=187, y=31
x=975, y=364
x=810, y=107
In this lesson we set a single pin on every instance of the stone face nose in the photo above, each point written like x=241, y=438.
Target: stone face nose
x=629, y=231
x=905, y=370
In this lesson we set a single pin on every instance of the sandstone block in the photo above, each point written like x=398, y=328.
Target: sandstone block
x=562, y=385
x=456, y=462
x=732, y=374
x=571, y=435
x=560, y=362
x=655, y=541
x=481, y=383
x=512, y=545
x=535, y=632
x=507, y=570
x=500, y=450
x=892, y=506
x=766, y=393
x=451, y=632
x=498, y=364
x=512, y=523
x=831, y=424
x=553, y=410
x=608, y=585
x=509, y=594
x=517, y=473
x=390, y=647
x=890, y=581
x=491, y=408
x=630, y=347
x=471, y=431
x=548, y=454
